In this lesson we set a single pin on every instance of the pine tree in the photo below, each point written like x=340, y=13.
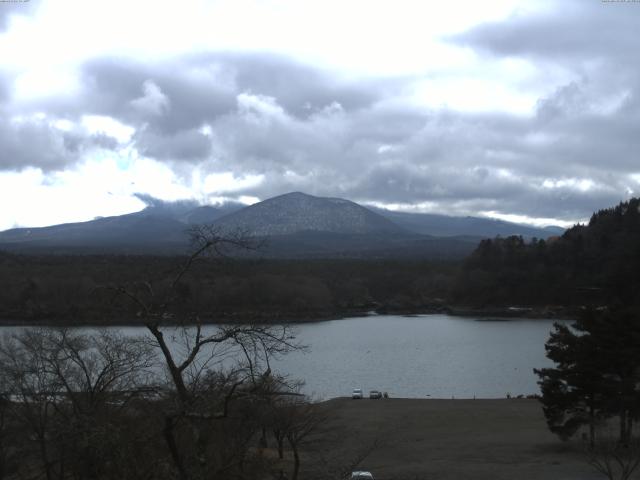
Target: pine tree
x=596, y=374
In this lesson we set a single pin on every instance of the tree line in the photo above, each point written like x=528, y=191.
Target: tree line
x=64, y=289
x=181, y=402
x=593, y=264
x=107, y=406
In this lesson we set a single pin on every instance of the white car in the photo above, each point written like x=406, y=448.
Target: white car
x=361, y=475
x=375, y=394
x=357, y=394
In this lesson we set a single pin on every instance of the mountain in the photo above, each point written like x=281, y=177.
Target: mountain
x=209, y=214
x=294, y=225
x=159, y=228
x=297, y=212
x=446, y=226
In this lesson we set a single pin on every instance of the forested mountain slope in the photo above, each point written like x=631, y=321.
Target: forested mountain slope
x=595, y=264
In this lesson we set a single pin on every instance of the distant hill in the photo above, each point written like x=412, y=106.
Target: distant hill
x=445, y=226
x=209, y=214
x=367, y=246
x=298, y=212
x=159, y=228
x=294, y=225
x=594, y=264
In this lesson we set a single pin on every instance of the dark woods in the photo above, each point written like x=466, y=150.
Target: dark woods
x=101, y=406
x=63, y=289
x=594, y=387
x=183, y=402
x=594, y=264
x=597, y=374
x=104, y=406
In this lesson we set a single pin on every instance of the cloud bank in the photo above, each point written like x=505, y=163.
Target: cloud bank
x=288, y=125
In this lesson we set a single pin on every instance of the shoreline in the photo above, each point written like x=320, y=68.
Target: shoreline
x=236, y=318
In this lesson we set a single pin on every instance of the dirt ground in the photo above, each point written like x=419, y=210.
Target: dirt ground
x=446, y=439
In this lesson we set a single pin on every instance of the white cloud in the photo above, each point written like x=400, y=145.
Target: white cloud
x=260, y=107
x=535, y=221
x=45, y=81
x=100, y=124
x=106, y=186
x=581, y=184
x=216, y=183
x=422, y=207
x=76, y=196
x=153, y=102
x=387, y=106
x=357, y=37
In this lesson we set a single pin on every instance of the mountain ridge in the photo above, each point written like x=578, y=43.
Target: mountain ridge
x=297, y=212
x=291, y=222
x=445, y=225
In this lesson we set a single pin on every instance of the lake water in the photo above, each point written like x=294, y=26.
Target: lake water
x=436, y=356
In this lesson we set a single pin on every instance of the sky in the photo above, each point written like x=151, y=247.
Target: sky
x=526, y=111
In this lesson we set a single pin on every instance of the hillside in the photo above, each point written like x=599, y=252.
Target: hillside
x=297, y=212
x=593, y=264
x=294, y=225
x=446, y=226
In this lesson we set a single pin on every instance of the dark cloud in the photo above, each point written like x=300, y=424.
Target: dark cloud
x=202, y=87
x=352, y=145
x=578, y=151
x=301, y=129
x=183, y=145
x=300, y=89
x=540, y=167
x=33, y=141
x=194, y=95
x=169, y=102
x=75, y=143
x=572, y=29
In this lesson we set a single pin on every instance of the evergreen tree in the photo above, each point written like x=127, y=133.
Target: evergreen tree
x=596, y=373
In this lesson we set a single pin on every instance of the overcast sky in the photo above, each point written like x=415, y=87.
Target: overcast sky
x=527, y=111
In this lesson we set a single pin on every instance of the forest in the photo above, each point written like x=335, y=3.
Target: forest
x=594, y=264
x=77, y=406
x=71, y=289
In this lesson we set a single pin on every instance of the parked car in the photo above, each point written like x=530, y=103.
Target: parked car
x=361, y=475
x=357, y=393
x=375, y=394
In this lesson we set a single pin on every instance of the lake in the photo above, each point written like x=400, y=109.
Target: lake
x=436, y=356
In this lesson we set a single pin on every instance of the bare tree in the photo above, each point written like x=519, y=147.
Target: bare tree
x=239, y=353
x=33, y=393
x=295, y=419
x=612, y=458
x=6, y=455
x=187, y=401
x=66, y=391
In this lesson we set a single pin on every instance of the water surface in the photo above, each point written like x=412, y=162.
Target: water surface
x=428, y=355
x=437, y=356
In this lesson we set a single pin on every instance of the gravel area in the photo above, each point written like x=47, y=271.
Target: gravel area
x=446, y=439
